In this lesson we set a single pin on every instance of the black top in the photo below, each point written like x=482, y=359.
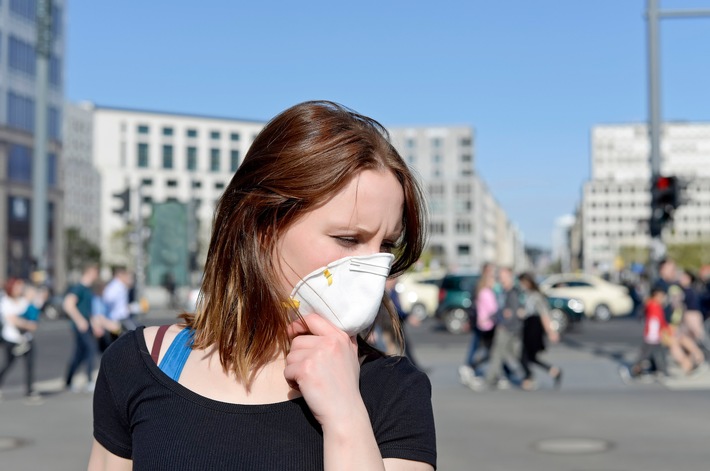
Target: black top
x=143, y=415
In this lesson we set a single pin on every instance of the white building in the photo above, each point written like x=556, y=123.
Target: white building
x=616, y=201
x=467, y=226
x=82, y=180
x=18, y=39
x=189, y=158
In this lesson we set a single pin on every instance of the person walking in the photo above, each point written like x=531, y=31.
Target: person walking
x=467, y=371
x=12, y=307
x=506, y=341
x=78, y=304
x=536, y=326
x=654, y=330
x=116, y=301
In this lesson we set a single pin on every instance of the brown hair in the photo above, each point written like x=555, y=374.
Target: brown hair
x=302, y=158
x=528, y=278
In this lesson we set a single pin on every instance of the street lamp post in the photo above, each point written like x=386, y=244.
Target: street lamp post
x=653, y=15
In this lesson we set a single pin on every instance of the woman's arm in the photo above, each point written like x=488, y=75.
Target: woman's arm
x=103, y=460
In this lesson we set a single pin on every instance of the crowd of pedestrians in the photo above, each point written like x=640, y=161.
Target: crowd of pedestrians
x=675, y=315
x=97, y=316
x=510, y=324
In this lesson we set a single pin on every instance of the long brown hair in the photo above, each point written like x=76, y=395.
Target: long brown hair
x=302, y=157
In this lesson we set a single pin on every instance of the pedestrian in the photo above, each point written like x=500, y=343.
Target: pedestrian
x=692, y=321
x=654, y=330
x=78, y=304
x=404, y=319
x=507, y=339
x=486, y=309
x=117, y=302
x=320, y=209
x=467, y=371
x=12, y=307
x=536, y=326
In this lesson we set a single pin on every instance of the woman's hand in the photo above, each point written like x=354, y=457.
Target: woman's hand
x=324, y=366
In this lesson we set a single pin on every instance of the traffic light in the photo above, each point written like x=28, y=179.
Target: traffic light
x=125, y=198
x=665, y=198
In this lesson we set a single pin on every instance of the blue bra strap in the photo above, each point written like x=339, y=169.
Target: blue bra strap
x=176, y=356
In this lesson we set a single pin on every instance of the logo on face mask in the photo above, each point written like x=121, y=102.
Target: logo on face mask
x=346, y=292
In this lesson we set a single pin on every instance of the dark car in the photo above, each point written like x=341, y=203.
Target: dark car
x=455, y=306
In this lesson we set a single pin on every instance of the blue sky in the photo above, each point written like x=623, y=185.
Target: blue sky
x=531, y=77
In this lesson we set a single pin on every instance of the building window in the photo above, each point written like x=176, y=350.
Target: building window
x=214, y=135
x=463, y=249
x=55, y=72
x=52, y=170
x=167, y=131
x=191, y=133
x=465, y=142
x=171, y=183
x=234, y=136
x=143, y=155
x=167, y=156
x=463, y=227
x=411, y=143
x=147, y=199
x=171, y=199
x=214, y=160
x=219, y=186
x=436, y=189
x=437, y=228
x=25, y=9
x=465, y=158
x=436, y=142
x=143, y=129
x=21, y=56
x=192, y=158
x=55, y=123
x=147, y=182
x=411, y=160
x=196, y=184
x=20, y=112
x=19, y=164
x=234, y=160
x=436, y=158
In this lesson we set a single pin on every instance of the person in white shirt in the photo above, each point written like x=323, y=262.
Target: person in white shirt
x=115, y=297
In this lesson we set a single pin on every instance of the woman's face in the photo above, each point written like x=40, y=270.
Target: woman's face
x=362, y=219
x=17, y=289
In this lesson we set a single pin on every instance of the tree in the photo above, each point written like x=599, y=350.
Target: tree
x=80, y=251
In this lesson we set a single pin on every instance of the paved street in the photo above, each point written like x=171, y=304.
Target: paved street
x=595, y=422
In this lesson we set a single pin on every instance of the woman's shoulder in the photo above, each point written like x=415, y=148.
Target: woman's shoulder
x=391, y=371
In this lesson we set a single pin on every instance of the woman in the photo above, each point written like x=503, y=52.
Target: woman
x=536, y=325
x=262, y=383
x=14, y=326
x=486, y=309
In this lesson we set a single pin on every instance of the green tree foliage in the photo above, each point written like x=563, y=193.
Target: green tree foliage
x=79, y=250
x=691, y=255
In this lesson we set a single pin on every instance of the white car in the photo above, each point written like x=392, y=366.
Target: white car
x=419, y=293
x=602, y=299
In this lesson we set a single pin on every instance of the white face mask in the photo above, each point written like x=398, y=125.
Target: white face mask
x=346, y=292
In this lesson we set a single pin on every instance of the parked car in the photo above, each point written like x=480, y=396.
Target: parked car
x=602, y=299
x=419, y=293
x=455, y=305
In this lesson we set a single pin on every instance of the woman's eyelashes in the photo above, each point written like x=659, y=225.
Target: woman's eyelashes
x=351, y=242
